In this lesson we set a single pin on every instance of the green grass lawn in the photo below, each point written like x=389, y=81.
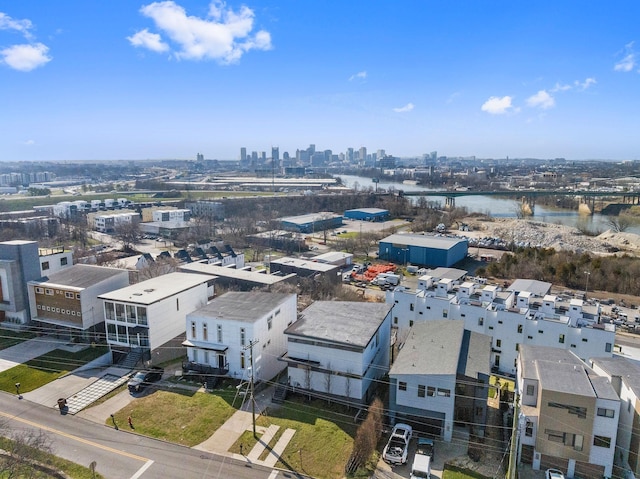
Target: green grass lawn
x=44, y=369
x=9, y=337
x=179, y=416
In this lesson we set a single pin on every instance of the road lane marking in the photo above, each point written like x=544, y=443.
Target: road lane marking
x=75, y=438
x=274, y=474
x=142, y=469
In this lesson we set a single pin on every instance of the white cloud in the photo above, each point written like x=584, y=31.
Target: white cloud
x=25, y=57
x=224, y=36
x=560, y=87
x=358, y=76
x=585, y=84
x=22, y=26
x=542, y=99
x=628, y=62
x=146, y=39
x=30, y=142
x=405, y=109
x=497, y=106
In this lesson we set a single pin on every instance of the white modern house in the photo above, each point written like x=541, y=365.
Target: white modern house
x=149, y=316
x=511, y=317
x=222, y=336
x=569, y=415
x=339, y=349
x=54, y=259
x=624, y=376
x=441, y=375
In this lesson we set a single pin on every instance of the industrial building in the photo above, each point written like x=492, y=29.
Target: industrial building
x=367, y=214
x=422, y=250
x=311, y=223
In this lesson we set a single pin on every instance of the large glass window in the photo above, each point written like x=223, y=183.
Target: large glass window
x=219, y=328
x=122, y=333
x=131, y=314
x=243, y=337
x=120, y=312
x=142, y=315
x=205, y=332
x=109, y=310
x=111, y=332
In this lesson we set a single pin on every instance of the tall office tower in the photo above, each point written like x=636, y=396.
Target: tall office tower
x=381, y=154
x=327, y=156
x=350, y=155
x=275, y=153
x=199, y=157
x=311, y=150
x=434, y=155
x=363, y=153
x=254, y=156
x=263, y=156
x=243, y=155
x=285, y=155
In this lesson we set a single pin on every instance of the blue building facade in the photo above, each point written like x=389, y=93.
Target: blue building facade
x=312, y=223
x=422, y=250
x=367, y=214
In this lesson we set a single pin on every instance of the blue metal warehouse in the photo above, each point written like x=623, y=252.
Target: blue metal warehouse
x=313, y=222
x=367, y=214
x=423, y=250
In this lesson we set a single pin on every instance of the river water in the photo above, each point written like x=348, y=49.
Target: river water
x=497, y=207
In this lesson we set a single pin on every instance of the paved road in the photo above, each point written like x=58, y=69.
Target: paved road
x=120, y=454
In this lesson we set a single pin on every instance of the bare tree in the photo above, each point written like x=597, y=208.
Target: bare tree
x=23, y=451
x=157, y=268
x=128, y=233
x=367, y=437
x=328, y=379
x=620, y=223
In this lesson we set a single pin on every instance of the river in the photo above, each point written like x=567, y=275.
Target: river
x=498, y=207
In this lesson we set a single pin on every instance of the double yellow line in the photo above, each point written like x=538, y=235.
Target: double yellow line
x=71, y=436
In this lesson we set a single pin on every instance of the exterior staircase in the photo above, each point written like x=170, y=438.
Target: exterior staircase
x=280, y=393
x=132, y=359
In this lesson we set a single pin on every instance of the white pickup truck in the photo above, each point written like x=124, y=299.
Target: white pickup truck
x=397, y=448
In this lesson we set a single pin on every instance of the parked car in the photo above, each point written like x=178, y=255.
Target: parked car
x=426, y=447
x=397, y=448
x=144, y=378
x=553, y=474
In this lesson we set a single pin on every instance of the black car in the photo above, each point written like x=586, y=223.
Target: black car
x=143, y=378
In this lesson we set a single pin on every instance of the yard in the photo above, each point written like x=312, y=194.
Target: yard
x=44, y=369
x=9, y=337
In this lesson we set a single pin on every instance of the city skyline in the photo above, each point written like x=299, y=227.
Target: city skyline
x=154, y=80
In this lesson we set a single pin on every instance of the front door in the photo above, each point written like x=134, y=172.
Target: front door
x=221, y=361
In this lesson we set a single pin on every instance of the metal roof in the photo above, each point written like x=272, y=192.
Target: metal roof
x=425, y=241
x=80, y=276
x=242, y=306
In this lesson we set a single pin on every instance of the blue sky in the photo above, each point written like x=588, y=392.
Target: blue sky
x=122, y=79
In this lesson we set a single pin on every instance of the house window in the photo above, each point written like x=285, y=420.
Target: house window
x=519, y=328
x=45, y=265
x=219, y=330
x=540, y=331
x=463, y=315
x=395, y=320
x=604, y=412
x=421, y=390
x=554, y=436
x=480, y=321
x=607, y=347
x=39, y=290
x=528, y=430
x=206, y=357
x=561, y=339
x=581, y=412
x=49, y=292
x=177, y=304
x=402, y=386
x=277, y=312
x=119, y=312
x=269, y=322
x=411, y=307
x=602, y=441
x=431, y=391
x=445, y=313
x=584, y=340
x=498, y=343
x=63, y=261
x=243, y=337
x=193, y=330
x=142, y=315
x=410, y=322
x=517, y=346
x=491, y=327
x=39, y=306
x=530, y=389
x=497, y=361
x=77, y=295
x=73, y=313
x=529, y=337
x=205, y=332
x=578, y=442
x=242, y=360
x=444, y=392
x=499, y=322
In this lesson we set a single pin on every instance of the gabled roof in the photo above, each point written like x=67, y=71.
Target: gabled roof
x=342, y=322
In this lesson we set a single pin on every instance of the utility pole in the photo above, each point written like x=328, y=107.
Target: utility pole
x=253, y=402
x=513, y=451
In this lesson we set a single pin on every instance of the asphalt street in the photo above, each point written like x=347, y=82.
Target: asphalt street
x=120, y=454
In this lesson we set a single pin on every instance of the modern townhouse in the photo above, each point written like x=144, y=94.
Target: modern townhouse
x=339, y=350
x=222, y=336
x=19, y=264
x=148, y=318
x=66, y=303
x=624, y=375
x=441, y=375
x=511, y=317
x=569, y=415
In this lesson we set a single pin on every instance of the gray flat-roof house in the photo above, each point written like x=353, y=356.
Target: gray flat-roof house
x=148, y=318
x=422, y=250
x=219, y=334
x=339, y=350
x=305, y=268
x=569, y=413
x=66, y=303
x=240, y=278
x=19, y=264
x=441, y=375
